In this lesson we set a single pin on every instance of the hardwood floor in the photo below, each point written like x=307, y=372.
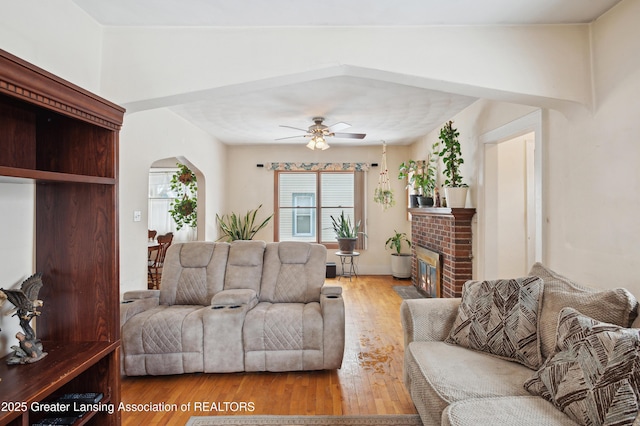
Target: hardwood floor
x=369, y=382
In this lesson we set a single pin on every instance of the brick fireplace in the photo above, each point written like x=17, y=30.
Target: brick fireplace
x=447, y=232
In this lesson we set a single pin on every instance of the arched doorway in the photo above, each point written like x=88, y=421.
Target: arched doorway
x=160, y=197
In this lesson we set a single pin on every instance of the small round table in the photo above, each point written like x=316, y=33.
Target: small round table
x=348, y=263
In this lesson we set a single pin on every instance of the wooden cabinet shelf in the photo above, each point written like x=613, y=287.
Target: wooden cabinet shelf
x=17, y=175
x=50, y=377
x=64, y=140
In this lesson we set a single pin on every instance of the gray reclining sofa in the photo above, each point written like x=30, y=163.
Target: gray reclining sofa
x=230, y=307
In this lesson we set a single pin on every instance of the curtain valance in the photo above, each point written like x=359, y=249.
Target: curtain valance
x=357, y=167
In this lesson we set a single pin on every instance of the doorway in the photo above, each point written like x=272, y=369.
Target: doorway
x=160, y=199
x=511, y=196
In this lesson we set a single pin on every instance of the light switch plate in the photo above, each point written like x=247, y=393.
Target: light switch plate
x=137, y=216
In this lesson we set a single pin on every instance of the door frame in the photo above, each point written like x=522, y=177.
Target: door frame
x=531, y=122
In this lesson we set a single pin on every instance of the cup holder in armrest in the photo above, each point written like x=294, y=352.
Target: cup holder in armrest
x=333, y=296
x=216, y=307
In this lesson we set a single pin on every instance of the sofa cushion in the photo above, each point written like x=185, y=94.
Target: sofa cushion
x=193, y=272
x=294, y=272
x=442, y=374
x=615, y=306
x=283, y=337
x=594, y=374
x=500, y=317
x=504, y=411
x=244, y=267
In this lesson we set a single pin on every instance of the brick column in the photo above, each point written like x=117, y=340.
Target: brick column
x=448, y=232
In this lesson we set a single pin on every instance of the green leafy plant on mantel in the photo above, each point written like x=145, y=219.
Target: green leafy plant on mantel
x=419, y=174
x=236, y=227
x=448, y=148
x=396, y=241
x=184, y=208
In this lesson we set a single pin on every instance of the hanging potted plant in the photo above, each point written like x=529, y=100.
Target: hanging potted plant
x=184, y=207
x=346, y=232
x=448, y=148
x=400, y=262
x=383, y=194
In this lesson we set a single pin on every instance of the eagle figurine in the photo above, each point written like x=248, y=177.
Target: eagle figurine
x=26, y=302
x=25, y=299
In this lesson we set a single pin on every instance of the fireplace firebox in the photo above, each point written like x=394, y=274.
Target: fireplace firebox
x=429, y=272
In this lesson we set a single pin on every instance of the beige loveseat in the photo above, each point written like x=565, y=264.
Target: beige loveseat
x=451, y=384
x=230, y=307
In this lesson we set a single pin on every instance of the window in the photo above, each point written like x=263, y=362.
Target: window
x=306, y=200
x=304, y=218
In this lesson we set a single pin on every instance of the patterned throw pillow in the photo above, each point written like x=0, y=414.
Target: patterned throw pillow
x=616, y=306
x=594, y=375
x=501, y=318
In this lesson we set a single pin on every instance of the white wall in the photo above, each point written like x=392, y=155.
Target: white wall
x=16, y=250
x=540, y=63
x=145, y=138
x=250, y=186
x=593, y=165
x=591, y=173
x=55, y=35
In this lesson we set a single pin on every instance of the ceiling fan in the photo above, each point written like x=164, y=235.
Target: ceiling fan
x=318, y=132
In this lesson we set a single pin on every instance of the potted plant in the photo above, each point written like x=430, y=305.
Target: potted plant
x=184, y=207
x=426, y=181
x=236, y=227
x=407, y=170
x=421, y=178
x=400, y=262
x=448, y=148
x=346, y=232
x=384, y=197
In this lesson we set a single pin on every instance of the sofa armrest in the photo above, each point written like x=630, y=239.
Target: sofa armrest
x=331, y=289
x=235, y=297
x=140, y=294
x=333, y=326
x=428, y=319
x=137, y=301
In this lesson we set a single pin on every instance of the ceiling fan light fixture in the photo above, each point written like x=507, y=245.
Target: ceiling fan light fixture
x=317, y=142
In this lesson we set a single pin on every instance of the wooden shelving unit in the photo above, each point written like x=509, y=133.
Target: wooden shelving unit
x=65, y=140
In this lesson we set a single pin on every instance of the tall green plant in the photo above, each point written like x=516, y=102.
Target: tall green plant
x=184, y=208
x=343, y=227
x=449, y=150
x=236, y=227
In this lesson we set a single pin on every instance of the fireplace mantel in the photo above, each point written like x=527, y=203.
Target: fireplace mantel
x=448, y=232
x=457, y=213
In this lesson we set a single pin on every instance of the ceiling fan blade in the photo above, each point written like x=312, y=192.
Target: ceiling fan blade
x=349, y=135
x=295, y=128
x=337, y=127
x=292, y=137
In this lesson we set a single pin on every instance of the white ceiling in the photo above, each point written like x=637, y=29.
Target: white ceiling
x=395, y=113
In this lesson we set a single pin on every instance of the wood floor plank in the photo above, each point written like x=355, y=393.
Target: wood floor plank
x=369, y=382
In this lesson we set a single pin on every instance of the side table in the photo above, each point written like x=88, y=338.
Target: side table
x=348, y=263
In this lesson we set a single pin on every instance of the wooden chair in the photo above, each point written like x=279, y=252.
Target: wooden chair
x=156, y=264
x=152, y=234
